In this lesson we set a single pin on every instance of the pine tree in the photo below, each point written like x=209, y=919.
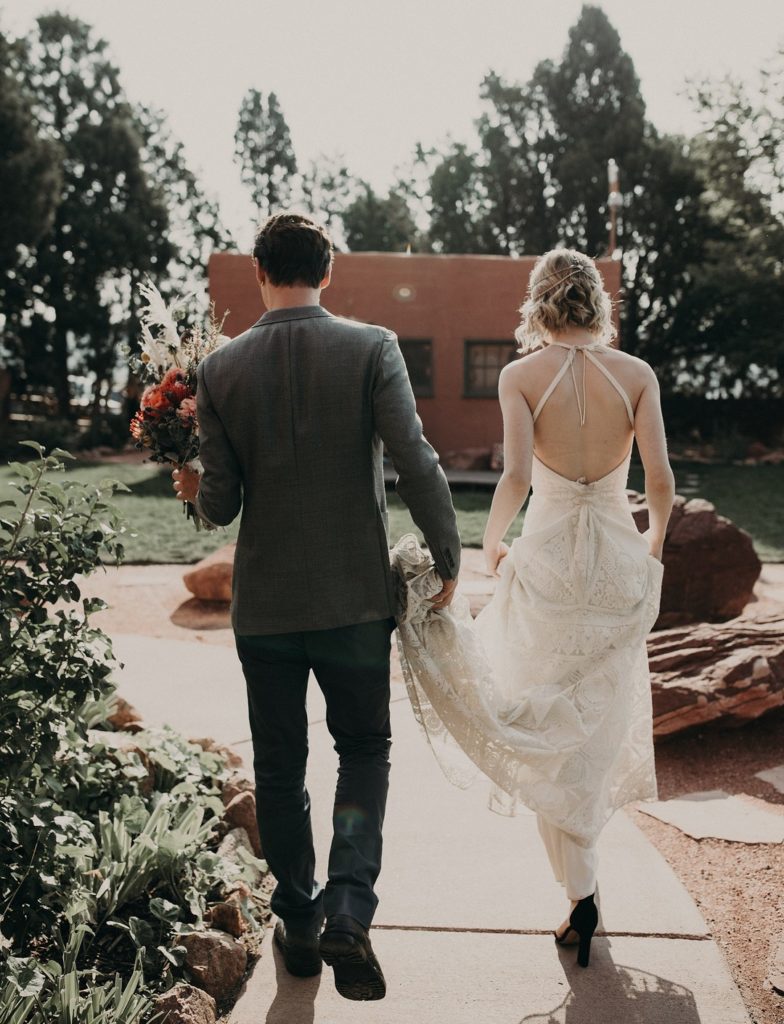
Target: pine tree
x=263, y=149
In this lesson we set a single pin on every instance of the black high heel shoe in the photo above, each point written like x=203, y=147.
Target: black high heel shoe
x=582, y=921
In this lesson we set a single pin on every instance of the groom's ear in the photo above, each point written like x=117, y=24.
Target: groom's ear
x=260, y=275
x=327, y=278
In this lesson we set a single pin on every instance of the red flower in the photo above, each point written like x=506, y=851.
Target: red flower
x=154, y=398
x=174, y=386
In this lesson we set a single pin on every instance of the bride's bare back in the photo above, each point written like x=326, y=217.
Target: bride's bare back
x=584, y=419
x=575, y=403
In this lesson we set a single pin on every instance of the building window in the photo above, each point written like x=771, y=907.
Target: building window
x=418, y=354
x=484, y=361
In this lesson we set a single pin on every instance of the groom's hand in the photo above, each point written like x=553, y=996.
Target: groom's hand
x=186, y=483
x=445, y=594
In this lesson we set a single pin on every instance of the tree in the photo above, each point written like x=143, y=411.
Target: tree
x=110, y=218
x=457, y=205
x=325, y=189
x=380, y=224
x=127, y=206
x=737, y=302
x=29, y=169
x=262, y=147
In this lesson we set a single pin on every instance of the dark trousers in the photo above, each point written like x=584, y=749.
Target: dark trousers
x=351, y=665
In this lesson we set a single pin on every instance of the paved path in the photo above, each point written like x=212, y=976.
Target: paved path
x=463, y=928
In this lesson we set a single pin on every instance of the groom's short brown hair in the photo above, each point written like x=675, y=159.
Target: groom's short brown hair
x=293, y=249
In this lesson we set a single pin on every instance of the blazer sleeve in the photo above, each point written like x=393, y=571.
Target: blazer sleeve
x=219, y=498
x=421, y=482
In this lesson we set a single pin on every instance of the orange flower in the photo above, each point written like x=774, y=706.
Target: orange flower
x=137, y=427
x=154, y=398
x=174, y=386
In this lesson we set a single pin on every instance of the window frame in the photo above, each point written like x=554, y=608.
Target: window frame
x=431, y=386
x=472, y=343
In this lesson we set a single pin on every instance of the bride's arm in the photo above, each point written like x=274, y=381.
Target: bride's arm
x=513, y=487
x=652, y=445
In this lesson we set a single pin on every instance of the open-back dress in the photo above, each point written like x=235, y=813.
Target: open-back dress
x=548, y=691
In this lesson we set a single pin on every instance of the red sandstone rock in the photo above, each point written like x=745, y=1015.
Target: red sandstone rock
x=710, y=566
x=729, y=672
x=215, y=960
x=186, y=1004
x=241, y=813
x=467, y=459
x=231, y=757
x=235, y=785
x=123, y=714
x=210, y=579
x=227, y=915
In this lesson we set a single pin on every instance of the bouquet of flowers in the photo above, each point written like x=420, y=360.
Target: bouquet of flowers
x=166, y=424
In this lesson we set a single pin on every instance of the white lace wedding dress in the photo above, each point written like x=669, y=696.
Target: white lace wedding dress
x=548, y=691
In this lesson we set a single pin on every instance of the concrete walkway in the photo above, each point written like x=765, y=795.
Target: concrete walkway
x=467, y=901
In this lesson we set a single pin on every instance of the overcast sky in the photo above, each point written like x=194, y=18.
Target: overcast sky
x=369, y=78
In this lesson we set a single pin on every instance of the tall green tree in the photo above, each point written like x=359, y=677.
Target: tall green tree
x=263, y=149
x=325, y=189
x=379, y=223
x=737, y=304
x=457, y=202
x=29, y=168
x=110, y=217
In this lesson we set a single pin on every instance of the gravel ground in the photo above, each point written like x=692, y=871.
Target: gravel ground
x=737, y=886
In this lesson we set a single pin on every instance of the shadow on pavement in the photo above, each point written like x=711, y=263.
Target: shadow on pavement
x=294, y=997
x=606, y=991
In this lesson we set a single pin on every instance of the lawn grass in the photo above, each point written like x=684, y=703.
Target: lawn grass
x=751, y=496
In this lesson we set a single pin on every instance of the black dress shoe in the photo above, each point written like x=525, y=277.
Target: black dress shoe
x=345, y=947
x=299, y=948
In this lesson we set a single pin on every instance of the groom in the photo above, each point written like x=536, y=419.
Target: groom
x=293, y=417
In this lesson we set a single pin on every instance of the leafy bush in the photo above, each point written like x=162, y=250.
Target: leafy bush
x=108, y=839
x=51, y=432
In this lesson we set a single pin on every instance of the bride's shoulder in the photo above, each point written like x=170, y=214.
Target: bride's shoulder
x=633, y=364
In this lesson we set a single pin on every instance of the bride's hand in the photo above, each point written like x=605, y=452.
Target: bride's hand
x=656, y=547
x=494, y=555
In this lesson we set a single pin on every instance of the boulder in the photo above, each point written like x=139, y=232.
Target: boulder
x=227, y=915
x=467, y=459
x=216, y=961
x=210, y=579
x=710, y=565
x=229, y=848
x=124, y=715
x=727, y=673
x=231, y=757
x=235, y=784
x=241, y=813
x=185, y=1004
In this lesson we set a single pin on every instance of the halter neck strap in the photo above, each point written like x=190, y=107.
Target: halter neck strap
x=568, y=365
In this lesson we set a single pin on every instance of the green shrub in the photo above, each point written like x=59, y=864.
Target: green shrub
x=108, y=848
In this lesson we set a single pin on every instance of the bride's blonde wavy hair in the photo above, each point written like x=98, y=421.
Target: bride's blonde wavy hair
x=565, y=290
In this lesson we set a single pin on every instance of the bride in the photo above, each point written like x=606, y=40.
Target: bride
x=548, y=692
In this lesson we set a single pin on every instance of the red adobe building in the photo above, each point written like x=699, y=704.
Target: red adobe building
x=455, y=318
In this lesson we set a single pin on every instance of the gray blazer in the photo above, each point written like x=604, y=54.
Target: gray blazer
x=292, y=418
